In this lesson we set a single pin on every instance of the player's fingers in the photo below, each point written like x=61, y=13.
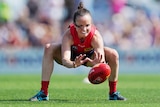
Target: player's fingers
x=83, y=56
x=79, y=59
x=95, y=55
x=79, y=56
x=88, y=60
x=85, y=60
x=100, y=57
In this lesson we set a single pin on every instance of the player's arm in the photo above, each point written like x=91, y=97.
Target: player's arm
x=98, y=45
x=66, y=50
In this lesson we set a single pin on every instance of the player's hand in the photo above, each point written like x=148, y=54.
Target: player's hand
x=79, y=60
x=96, y=59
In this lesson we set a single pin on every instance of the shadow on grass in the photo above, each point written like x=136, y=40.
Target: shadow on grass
x=57, y=100
x=78, y=100
x=13, y=100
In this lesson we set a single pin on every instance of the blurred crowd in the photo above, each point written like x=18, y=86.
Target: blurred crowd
x=124, y=24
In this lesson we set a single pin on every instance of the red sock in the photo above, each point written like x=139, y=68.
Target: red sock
x=44, y=87
x=112, y=87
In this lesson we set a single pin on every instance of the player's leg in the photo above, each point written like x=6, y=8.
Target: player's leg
x=51, y=52
x=112, y=57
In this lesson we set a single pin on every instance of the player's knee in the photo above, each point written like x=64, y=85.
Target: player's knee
x=114, y=55
x=48, y=45
x=48, y=48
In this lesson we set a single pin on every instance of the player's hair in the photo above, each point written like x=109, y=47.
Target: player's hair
x=81, y=11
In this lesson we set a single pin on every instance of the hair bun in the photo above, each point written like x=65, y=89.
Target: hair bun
x=80, y=5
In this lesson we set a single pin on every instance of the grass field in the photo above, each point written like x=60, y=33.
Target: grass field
x=70, y=91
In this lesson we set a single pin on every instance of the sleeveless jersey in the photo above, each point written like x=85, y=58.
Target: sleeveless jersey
x=81, y=47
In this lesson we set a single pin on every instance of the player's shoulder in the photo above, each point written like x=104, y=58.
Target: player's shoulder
x=97, y=37
x=67, y=34
x=97, y=33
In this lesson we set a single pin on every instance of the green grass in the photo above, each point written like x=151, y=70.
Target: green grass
x=70, y=91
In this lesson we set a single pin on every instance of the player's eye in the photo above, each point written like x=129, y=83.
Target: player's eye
x=81, y=26
x=87, y=25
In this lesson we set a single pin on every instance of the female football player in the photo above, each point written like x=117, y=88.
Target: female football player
x=82, y=44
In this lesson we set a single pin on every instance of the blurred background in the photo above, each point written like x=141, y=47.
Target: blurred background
x=130, y=26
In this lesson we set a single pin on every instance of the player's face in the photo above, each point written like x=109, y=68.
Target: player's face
x=83, y=25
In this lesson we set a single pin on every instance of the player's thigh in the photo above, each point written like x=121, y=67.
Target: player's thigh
x=56, y=47
x=110, y=53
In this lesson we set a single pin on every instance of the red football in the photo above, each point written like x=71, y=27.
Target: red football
x=99, y=73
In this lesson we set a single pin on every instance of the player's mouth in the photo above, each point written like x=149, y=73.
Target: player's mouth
x=84, y=32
